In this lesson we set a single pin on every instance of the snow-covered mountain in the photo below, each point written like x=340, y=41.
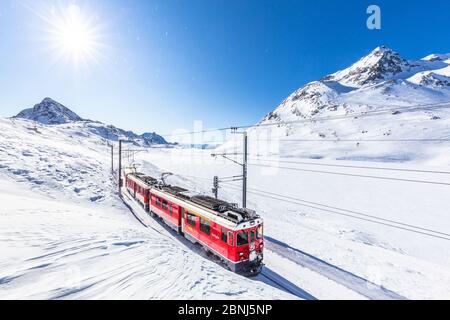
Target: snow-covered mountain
x=417, y=92
x=152, y=137
x=51, y=112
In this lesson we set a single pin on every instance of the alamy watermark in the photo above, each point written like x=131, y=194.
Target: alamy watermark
x=374, y=19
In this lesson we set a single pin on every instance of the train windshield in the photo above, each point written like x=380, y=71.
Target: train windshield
x=252, y=235
x=242, y=238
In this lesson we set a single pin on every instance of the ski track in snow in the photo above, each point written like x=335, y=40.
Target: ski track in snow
x=61, y=251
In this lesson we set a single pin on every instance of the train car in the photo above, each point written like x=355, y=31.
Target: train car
x=232, y=234
x=138, y=185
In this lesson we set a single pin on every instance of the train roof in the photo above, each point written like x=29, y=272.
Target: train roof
x=221, y=208
x=147, y=180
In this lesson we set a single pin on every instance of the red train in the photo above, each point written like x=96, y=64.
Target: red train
x=232, y=234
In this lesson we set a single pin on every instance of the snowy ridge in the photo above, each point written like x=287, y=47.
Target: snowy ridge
x=50, y=112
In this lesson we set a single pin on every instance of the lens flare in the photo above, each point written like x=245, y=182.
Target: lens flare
x=72, y=34
x=74, y=37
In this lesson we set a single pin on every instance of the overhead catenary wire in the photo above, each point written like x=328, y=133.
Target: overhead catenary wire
x=352, y=140
x=345, y=210
x=193, y=177
x=337, y=211
x=380, y=111
x=317, y=205
x=383, y=168
x=281, y=140
x=330, y=211
x=351, y=174
x=369, y=113
x=348, y=166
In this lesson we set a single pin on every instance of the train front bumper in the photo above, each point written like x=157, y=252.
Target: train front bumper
x=249, y=268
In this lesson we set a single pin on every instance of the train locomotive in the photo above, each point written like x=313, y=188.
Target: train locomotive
x=232, y=234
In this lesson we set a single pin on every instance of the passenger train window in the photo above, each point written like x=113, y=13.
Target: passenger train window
x=230, y=238
x=165, y=205
x=191, y=219
x=205, y=226
x=242, y=238
x=224, y=236
x=259, y=232
x=158, y=202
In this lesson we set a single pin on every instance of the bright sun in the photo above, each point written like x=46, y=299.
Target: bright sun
x=74, y=36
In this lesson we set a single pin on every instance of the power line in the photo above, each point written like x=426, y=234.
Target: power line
x=340, y=173
x=350, y=166
x=352, y=174
x=332, y=210
x=193, y=177
x=352, y=140
x=297, y=202
x=380, y=111
x=346, y=210
x=277, y=140
x=326, y=206
x=260, y=158
x=362, y=114
x=196, y=132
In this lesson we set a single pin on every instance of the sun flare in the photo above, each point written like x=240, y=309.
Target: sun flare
x=74, y=36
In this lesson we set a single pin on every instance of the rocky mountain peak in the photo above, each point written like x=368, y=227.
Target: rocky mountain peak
x=49, y=111
x=381, y=64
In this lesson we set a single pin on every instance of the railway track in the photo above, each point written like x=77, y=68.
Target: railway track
x=285, y=284
x=336, y=274
x=270, y=276
x=350, y=280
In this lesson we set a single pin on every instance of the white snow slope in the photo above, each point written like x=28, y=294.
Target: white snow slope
x=64, y=233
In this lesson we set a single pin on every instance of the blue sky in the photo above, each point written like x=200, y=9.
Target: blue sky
x=160, y=65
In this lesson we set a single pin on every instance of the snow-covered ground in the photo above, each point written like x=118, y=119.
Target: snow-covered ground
x=65, y=234
x=351, y=174
x=410, y=264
